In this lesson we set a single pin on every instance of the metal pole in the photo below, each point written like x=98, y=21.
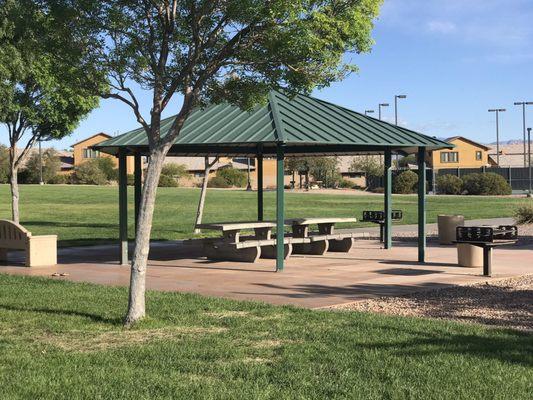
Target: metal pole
x=421, y=204
x=524, y=126
x=387, y=239
x=395, y=110
x=260, y=187
x=123, y=206
x=137, y=187
x=280, y=212
x=40, y=164
x=497, y=139
x=249, y=186
x=529, y=158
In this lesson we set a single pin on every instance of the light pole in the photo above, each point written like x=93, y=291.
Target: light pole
x=249, y=186
x=369, y=112
x=529, y=158
x=381, y=105
x=524, y=104
x=497, y=111
x=40, y=163
x=396, y=97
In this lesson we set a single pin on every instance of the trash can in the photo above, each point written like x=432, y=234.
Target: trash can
x=446, y=226
x=469, y=255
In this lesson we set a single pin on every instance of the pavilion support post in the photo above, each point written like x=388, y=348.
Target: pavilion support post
x=280, y=211
x=421, y=204
x=138, y=186
x=123, y=206
x=260, y=207
x=387, y=183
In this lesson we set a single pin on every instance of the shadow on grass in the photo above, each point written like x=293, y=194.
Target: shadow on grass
x=510, y=347
x=68, y=313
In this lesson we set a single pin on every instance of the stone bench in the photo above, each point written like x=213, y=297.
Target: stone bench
x=39, y=250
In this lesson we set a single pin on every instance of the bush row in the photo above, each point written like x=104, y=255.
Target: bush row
x=474, y=184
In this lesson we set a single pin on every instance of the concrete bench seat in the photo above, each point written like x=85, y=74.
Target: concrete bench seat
x=39, y=250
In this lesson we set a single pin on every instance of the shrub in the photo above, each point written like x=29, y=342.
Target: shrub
x=233, y=177
x=218, y=182
x=89, y=173
x=345, y=184
x=486, y=184
x=449, y=184
x=60, y=180
x=174, y=170
x=51, y=167
x=405, y=182
x=167, y=181
x=107, y=166
x=524, y=214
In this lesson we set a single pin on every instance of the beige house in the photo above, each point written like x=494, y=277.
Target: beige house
x=466, y=154
x=82, y=151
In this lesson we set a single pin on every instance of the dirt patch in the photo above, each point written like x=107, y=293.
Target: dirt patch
x=89, y=342
x=502, y=303
x=228, y=314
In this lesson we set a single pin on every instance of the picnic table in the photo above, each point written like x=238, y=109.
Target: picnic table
x=323, y=240
x=234, y=246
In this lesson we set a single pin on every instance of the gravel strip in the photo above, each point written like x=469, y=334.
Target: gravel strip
x=504, y=303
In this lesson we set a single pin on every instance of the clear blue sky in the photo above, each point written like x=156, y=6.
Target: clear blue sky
x=454, y=59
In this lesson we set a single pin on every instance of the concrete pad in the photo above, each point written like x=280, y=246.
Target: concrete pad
x=367, y=271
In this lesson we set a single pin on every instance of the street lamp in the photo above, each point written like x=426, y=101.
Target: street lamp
x=529, y=158
x=497, y=111
x=524, y=104
x=396, y=97
x=369, y=112
x=381, y=105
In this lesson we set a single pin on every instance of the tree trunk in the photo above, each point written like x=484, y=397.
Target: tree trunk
x=13, y=181
x=201, y=203
x=136, y=305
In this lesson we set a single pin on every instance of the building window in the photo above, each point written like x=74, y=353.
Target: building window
x=90, y=153
x=449, y=157
x=479, y=156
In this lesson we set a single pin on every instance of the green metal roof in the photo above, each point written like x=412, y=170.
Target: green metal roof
x=303, y=124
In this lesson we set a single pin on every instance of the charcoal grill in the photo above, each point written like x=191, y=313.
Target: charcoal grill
x=487, y=237
x=378, y=217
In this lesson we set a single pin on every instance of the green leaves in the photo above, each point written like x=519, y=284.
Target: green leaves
x=45, y=72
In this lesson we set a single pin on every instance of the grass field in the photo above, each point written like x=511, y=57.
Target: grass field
x=61, y=340
x=83, y=214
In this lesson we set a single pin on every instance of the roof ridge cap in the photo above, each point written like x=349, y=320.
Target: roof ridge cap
x=278, y=124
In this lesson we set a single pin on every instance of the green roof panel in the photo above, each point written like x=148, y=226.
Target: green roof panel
x=298, y=121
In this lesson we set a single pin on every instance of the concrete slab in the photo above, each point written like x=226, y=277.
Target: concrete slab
x=308, y=281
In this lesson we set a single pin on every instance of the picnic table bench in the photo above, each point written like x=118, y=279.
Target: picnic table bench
x=233, y=246
x=324, y=240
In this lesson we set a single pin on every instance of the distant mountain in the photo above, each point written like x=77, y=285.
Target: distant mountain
x=512, y=141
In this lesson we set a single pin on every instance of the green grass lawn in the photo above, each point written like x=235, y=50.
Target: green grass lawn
x=62, y=340
x=81, y=214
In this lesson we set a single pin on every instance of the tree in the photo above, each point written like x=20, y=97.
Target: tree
x=51, y=166
x=89, y=173
x=213, y=51
x=4, y=164
x=370, y=165
x=43, y=63
x=200, y=211
x=325, y=170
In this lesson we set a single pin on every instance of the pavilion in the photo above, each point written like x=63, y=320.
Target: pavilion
x=284, y=126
